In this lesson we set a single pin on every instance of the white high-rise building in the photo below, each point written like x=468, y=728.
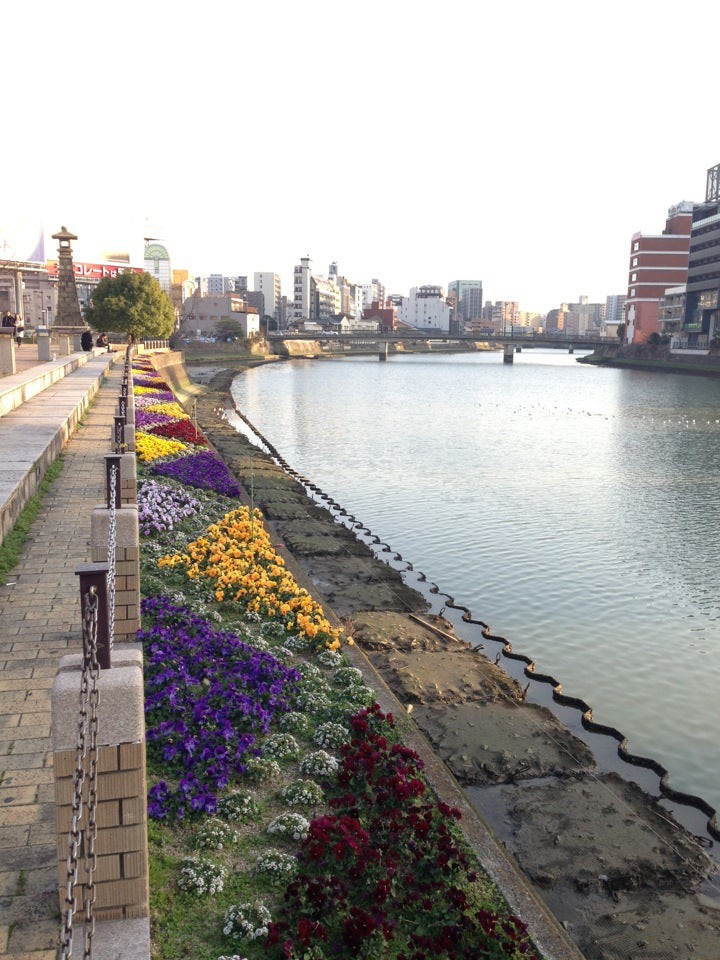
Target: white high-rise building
x=302, y=291
x=268, y=284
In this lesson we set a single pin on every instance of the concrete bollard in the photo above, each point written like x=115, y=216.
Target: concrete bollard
x=43, y=344
x=121, y=875
x=127, y=564
x=7, y=350
x=63, y=345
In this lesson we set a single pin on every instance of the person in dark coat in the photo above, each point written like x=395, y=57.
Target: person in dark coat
x=86, y=340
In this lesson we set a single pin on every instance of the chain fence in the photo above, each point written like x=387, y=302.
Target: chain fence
x=81, y=842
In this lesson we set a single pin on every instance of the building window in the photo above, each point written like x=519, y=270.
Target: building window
x=635, y=261
x=632, y=291
x=633, y=277
x=636, y=246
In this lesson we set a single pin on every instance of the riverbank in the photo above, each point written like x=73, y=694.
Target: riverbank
x=656, y=358
x=605, y=856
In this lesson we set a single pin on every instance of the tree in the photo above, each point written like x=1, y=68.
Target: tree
x=131, y=303
x=621, y=331
x=229, y=328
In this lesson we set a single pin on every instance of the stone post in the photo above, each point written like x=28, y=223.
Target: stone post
x=127, y=564
x=63, y=345
x=7, y=350
x=43, y=344
x=121, y=874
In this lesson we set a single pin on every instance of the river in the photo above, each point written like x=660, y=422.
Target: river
x=575, y=509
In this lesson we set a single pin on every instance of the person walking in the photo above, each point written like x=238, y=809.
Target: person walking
x=19, y=329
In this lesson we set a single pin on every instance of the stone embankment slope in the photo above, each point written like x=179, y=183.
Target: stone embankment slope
x=621, y=876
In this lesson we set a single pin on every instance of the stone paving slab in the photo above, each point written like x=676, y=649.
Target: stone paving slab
x=39, y=623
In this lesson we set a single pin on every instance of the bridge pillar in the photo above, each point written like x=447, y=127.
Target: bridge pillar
x=383, y=351
x=508, y=352
x=571, y=349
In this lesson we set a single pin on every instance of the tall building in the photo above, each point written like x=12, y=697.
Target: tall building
x=157, y=264
x=302, y=290
x=702, y=302
x=268, y=284
x=657, y=261
x=468, y=298
x=615, y=309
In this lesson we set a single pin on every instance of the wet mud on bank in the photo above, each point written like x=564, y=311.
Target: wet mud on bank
x=626, y=881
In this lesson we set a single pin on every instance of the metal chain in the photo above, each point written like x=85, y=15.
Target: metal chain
x=89, y=696
x=112, y=549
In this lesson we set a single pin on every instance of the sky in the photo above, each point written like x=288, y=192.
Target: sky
x=517, y=143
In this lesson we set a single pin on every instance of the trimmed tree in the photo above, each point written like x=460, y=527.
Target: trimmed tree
x=131, y=303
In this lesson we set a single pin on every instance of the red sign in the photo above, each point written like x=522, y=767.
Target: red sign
x=92, y=271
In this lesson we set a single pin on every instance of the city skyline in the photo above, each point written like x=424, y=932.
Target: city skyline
x=522, y=148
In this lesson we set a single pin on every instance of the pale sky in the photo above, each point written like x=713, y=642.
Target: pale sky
x=517, y=143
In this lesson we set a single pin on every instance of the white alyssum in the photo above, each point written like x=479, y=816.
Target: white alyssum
x=201, y=877
x=319, y=763
x=289, y=826
x=246, y=921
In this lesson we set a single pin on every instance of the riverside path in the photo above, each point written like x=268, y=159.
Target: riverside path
x=39, y=623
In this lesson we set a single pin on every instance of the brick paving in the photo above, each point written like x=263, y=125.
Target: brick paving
x=39, y=623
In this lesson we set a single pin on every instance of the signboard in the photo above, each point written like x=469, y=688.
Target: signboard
x=93, y=271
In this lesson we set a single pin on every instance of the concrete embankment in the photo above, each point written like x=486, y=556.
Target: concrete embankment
x=656, y=358
x=600, y=858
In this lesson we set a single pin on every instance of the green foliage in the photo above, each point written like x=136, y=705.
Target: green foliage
x=131, y=303
x=229, y=328
x=621, y=331
x=13, y=542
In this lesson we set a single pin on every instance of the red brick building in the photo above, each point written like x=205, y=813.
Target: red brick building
x=656, y=263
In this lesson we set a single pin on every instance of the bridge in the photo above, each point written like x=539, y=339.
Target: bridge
x=512, y=342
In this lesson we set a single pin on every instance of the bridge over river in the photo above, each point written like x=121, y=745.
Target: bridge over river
x=511, y=343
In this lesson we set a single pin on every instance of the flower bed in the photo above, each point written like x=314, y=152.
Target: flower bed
x=183, y=430
x=255, y=721
x=204, y=470
x=238, y=557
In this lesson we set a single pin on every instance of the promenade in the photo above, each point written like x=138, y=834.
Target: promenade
x=39, y=623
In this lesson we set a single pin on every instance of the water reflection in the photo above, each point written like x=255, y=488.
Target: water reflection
x=574, y=508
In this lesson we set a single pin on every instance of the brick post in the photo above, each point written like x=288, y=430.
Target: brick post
x=121, y=876
x=127, y=564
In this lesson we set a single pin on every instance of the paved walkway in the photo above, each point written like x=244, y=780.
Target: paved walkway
x=39, y=623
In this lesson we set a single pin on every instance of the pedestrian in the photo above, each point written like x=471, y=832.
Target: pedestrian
x=8, y=319
x=19, y=329
x=102, y=341
x=86, y=340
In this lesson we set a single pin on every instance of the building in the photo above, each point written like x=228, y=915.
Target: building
x=302, y=291
x=556, y=319
x=157, y=264
x=502, y=315
x=671, y=310
x=584, y=317
x=615, y=309
x=467, y=297
x=426, y=309
x=268, y=284
x=373, y=292
x=657, y=261
x=702, y=306
x=201, y=316
x=384, y=317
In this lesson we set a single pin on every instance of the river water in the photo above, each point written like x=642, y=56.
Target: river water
x=575, y=509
